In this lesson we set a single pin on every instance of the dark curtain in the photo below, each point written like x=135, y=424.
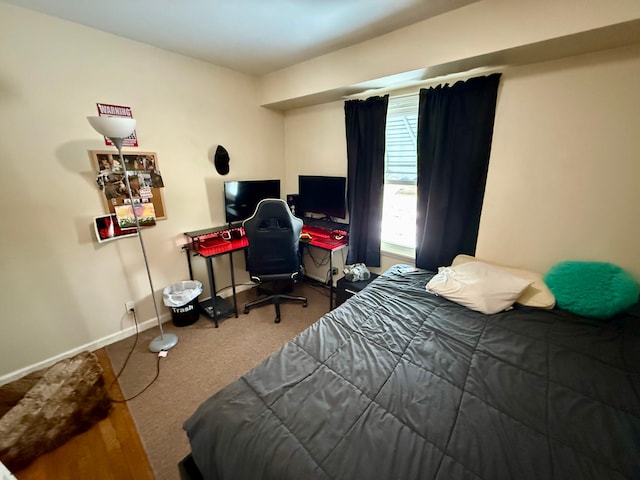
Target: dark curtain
x=366, y=122
x=455, y=128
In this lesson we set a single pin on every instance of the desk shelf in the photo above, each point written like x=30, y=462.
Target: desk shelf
x=221, y=309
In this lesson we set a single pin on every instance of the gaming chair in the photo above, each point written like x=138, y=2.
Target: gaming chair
x=273, y=255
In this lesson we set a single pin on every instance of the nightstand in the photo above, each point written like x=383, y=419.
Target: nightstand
x=345, y=289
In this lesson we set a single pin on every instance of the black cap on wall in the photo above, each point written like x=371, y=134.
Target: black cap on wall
x=221, y=160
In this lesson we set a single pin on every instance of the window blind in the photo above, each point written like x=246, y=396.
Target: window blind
x=401, y=140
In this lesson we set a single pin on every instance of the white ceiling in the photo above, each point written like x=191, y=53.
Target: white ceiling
x=251, y=36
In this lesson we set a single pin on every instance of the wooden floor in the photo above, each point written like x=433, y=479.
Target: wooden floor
x=111, y=449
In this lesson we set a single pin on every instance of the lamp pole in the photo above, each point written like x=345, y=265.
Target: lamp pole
x=163, y=341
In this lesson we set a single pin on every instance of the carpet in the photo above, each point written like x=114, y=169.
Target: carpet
x=205, y=360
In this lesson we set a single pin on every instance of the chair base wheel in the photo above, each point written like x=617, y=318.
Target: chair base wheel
x=276, y=300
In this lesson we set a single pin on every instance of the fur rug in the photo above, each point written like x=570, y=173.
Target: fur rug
x=66, y=399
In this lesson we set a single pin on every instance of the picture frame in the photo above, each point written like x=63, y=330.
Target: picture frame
x=106, y=228
x=144, y=177
x=143, y=211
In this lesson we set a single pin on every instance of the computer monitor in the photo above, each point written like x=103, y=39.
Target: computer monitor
x=242, y=197
x=322, y=195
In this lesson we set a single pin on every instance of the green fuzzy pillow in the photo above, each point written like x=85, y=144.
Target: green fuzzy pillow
x=592, y=289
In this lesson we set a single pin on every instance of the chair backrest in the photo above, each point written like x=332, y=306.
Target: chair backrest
x=273, y=234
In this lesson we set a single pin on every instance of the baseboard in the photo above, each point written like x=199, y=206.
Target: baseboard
x=91, y=346
x=317, y=278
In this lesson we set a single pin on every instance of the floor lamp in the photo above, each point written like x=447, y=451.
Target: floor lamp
x=117, y=129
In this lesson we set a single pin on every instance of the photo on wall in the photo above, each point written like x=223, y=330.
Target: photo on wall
x=106, y=229
x=144, y=211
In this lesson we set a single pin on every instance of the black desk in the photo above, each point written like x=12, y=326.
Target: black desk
x=209, y=243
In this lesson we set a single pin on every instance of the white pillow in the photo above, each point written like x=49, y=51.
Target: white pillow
x=478, y=286
x=535, y=295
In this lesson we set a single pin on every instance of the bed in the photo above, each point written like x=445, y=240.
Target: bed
x=398, y=383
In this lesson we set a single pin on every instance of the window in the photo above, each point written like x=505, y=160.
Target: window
x=400, y=176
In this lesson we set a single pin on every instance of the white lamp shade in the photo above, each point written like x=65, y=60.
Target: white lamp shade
x=113, y=127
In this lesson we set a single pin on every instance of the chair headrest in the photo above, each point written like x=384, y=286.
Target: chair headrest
x=275, y=211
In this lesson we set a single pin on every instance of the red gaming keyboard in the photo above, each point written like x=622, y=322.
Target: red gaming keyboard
x=218, y=245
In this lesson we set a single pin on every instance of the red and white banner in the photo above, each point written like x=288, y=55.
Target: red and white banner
x=107, y=110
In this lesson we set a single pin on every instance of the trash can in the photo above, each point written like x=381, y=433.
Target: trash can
x=182, y=300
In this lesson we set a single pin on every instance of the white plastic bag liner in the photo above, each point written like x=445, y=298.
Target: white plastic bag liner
x=181, y=293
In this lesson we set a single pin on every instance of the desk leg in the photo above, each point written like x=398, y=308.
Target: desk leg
x=233, y=285
x=188, y=252
x=212, y=289
x=330, y=280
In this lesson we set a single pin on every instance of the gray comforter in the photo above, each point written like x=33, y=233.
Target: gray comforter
x=399, y=384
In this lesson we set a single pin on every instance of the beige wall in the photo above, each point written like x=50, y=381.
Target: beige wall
x=564, y=175
x=60, y=289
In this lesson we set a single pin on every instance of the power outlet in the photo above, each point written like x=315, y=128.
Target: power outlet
x=334, y=271
x=129, y=306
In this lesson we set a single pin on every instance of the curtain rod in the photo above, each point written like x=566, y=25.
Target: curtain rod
x=411, y=87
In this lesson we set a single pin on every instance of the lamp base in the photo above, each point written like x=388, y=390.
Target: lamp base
x=163, y=342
